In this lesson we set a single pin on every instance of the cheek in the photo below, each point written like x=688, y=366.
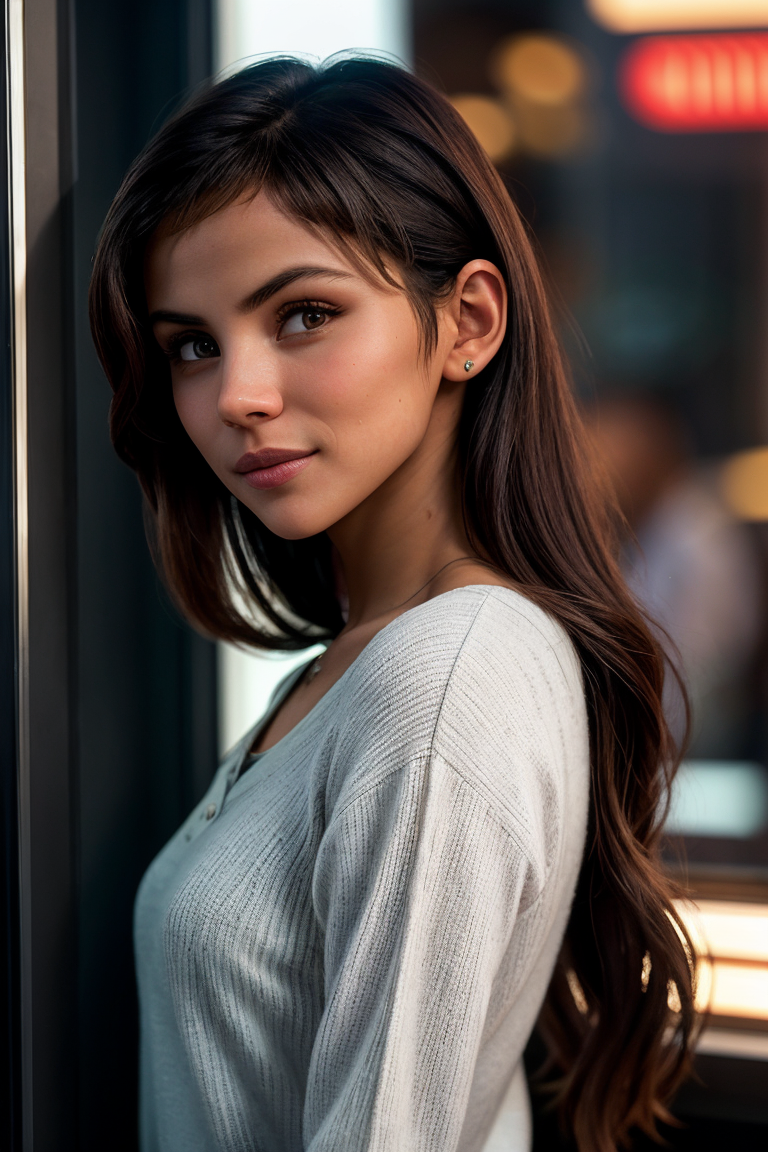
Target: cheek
x=196, y=409
x=375, y=384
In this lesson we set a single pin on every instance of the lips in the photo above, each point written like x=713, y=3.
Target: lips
x=270, y=467
x=268, y=457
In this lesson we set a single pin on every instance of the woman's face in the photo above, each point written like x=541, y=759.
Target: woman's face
x=300, y=381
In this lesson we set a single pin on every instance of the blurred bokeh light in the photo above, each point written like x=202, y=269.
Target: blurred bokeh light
x=666, y=15
x=539, y=69
x=731, y=942
x=490, y=121
x=745, y=484
x=698, y=83
x=538, y=105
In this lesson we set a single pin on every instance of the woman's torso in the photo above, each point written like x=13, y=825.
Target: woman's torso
x=429, y=812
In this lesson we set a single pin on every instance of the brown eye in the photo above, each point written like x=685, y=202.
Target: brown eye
x=304, y=320
x=201, y=348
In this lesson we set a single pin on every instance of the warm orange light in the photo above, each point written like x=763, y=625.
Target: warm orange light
x=539, y=68
x=661, y=15
x=728, y=929
x=744, y=480
x=490, y=121
x=726, y=989
x=731, y=942
x=544, y=80
x=698, y=83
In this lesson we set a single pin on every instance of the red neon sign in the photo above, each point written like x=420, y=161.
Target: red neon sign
x=716, y=83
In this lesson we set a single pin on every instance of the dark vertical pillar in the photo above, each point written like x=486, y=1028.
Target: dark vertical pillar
x=46, y=799
x=146, y=691
x=10, y=1085
x=118, y=737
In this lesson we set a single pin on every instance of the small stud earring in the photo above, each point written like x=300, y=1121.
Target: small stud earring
x=468, y=365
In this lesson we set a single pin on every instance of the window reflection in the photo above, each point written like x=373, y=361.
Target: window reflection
x=687, y=559
x=725, y=798
x=654, y=242
x=651, y=242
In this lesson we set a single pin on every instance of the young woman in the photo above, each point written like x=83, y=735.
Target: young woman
x=336, y=378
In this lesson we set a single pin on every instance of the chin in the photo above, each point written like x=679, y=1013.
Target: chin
x=295, y=524
x=299, y=515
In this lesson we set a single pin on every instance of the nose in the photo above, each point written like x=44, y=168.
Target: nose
x=247, y=393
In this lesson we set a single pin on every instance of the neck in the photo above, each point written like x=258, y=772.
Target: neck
x=392, y=544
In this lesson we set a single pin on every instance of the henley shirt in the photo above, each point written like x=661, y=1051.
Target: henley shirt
x=346, y=945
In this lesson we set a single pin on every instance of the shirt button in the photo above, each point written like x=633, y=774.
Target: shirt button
x=210, y=811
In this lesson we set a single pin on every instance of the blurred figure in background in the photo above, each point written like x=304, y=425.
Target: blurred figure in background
x=690, y=562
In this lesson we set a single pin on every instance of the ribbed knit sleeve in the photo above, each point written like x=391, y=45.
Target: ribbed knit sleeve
x=432, y=883
x=418, y=887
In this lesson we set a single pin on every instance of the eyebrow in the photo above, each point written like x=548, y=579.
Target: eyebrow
x=260, y=295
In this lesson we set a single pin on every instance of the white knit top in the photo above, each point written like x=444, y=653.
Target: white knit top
x=345, y=947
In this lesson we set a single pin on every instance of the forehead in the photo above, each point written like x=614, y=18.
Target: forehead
x=240, y=238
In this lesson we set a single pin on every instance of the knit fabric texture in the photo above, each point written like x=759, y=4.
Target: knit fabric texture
x=345, y=946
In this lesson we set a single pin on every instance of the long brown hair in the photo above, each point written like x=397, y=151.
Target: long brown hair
x=379, y=162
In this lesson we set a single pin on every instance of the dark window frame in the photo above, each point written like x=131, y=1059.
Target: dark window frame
x=114, y=729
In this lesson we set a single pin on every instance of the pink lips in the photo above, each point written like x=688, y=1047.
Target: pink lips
x=270, y=467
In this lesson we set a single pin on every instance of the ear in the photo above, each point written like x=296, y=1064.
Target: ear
x=478, y=309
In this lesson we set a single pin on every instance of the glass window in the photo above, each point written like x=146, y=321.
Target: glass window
x=633, y=141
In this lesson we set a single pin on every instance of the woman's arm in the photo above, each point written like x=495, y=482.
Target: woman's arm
x=418, y=887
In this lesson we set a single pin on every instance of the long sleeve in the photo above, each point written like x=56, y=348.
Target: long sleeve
x=418, y=887
x=345, y=946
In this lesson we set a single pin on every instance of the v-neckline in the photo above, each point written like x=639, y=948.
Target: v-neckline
x=247, y=758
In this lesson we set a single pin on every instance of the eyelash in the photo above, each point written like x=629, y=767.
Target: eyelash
x=175, y=343
x=297, y=306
